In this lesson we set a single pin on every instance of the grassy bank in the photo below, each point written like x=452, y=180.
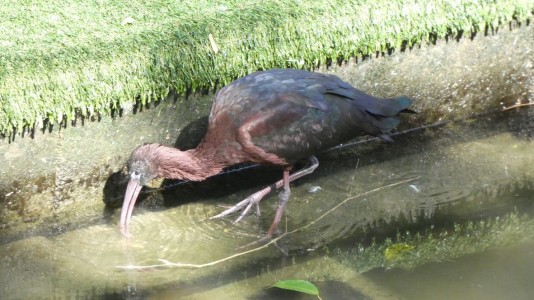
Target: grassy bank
x=60, y=60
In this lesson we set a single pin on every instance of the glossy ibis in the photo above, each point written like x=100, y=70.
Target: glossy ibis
x=275, y=117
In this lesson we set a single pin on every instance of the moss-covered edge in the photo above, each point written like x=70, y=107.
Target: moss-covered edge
x=409, y=250
x=187, y=52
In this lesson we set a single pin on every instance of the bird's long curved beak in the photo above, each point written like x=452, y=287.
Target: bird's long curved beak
x=132, y=191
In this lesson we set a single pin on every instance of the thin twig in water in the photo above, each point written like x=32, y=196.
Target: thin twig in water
x=167, y=264
x=517, y=105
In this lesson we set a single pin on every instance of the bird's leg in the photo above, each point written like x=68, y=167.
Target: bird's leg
x=254, y=199
x=284, y=197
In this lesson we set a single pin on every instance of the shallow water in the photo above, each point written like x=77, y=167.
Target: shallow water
x=474, y=170
x=503, y=273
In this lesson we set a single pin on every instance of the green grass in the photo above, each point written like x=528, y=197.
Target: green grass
x=63, y=59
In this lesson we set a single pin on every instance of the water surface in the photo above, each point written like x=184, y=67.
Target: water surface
x=450, y=210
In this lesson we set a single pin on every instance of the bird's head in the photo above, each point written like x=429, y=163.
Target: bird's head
x=142, y=165
x=150, y=162
x=143, y=169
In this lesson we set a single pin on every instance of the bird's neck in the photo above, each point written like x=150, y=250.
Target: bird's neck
x=187, y=165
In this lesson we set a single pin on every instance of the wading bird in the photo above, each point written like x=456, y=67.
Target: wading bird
x=274, y=117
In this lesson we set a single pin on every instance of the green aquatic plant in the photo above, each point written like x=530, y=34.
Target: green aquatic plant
x=301, y=286
x=395, y=251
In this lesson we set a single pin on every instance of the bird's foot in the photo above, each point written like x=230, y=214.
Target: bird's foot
x=245, y=205
x=265, y=239
x=261, y=241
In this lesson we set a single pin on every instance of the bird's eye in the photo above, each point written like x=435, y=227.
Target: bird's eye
x=135, y=174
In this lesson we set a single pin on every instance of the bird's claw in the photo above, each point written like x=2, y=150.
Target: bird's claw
x=252, y=202
x=245, y=205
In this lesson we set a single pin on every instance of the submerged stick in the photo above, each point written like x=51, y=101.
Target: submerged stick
x=517, y=105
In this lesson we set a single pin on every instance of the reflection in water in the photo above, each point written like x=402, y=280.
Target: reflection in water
x=471, y=170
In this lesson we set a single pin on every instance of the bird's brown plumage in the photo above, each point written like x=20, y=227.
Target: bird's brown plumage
x=274, y=117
